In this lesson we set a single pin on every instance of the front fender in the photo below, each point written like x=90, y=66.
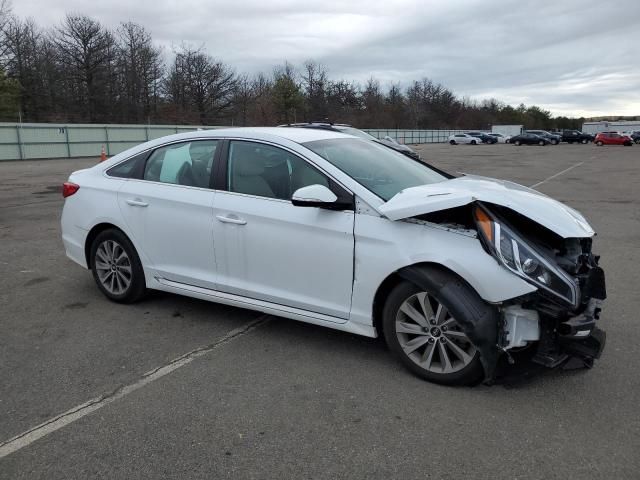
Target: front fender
x=383, y=247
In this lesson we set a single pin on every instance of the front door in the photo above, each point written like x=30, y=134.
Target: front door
x=268, y=249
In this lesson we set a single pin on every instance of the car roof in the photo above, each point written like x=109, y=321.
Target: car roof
x=297, y=135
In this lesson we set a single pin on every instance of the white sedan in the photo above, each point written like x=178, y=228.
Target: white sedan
x=463, y=138
x=326, y=228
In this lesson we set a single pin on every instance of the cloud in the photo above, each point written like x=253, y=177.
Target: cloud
x=573, y=58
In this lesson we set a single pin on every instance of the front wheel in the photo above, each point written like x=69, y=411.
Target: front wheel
x=422, y=332
x=541, y=143
x=452, y=142
x=116, y=267
x=599, y=143
x=473, y=142
x=517, y=143
x=584, y=141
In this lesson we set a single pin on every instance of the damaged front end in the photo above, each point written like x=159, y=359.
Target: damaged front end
x=559, y=319
x=541, y=241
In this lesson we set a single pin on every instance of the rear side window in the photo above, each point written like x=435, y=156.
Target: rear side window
x=187, y=163
x=131, y=168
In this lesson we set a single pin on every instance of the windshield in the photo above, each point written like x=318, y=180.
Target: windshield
x=355, y=132
x=375, y=167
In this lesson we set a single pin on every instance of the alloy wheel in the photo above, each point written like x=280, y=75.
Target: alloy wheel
x=113, y=267
x=431, y=337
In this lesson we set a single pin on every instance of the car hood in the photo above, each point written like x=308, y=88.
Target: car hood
x=560, y=218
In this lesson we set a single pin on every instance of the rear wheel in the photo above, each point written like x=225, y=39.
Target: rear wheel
x=421, y=330
x=584, y=141
x=116, y=267
x=517, y=143
x=541, y=143
x=599, y=143
x=473, y=142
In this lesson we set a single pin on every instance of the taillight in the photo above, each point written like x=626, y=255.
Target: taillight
x=69, y=189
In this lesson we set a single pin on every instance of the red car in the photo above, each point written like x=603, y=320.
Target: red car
x=612, y=138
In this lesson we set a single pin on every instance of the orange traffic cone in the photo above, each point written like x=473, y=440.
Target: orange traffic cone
x=103, y=154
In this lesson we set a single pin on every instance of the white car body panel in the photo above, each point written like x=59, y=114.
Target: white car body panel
x=560, y=218
x=305, y=263
x=296, y=256
x=182, y=252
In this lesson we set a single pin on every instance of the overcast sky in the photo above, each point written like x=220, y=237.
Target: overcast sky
x=572, y=57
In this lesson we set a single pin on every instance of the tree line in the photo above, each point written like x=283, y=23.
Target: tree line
x=82, y=72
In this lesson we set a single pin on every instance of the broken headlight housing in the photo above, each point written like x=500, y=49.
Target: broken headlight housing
x=522, y=258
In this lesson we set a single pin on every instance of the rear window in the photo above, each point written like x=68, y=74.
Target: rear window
x=131, y=168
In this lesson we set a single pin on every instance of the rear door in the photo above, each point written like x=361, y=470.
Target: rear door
x=268, y=249
x=169, y=211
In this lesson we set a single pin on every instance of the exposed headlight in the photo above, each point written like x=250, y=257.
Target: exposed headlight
x=517, y=255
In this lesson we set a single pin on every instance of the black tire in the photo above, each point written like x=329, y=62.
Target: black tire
x=137, y=286
x=628, y=144
x=599, y=143
x=554, y=142
x=473, y=142
x=584, y=141
x=541, y=143
x=517, y=143
x=459, y=299
x=452, y=142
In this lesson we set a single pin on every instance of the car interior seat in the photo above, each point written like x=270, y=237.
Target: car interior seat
x=247, y=170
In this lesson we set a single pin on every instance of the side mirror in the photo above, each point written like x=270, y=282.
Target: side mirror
x=313, y=196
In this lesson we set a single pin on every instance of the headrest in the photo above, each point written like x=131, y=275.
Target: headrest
x=247, y=165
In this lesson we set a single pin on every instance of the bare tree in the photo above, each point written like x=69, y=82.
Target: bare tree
x=199, y=84
x=140, y=70
x=85, y=52
x=315, y=82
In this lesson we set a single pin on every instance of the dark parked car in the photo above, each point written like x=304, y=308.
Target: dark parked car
x=529, y=139
x=348, y=129
x=575, y=136
x=553, y=139
x=484, y=137
x=635, y=136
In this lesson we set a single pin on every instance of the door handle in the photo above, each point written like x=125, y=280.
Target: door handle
x=136, y=202
x=234, y=220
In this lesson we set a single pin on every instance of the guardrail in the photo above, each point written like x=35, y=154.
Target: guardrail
x=47, y=140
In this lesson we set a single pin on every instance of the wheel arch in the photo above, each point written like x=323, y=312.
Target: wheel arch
x=409, y=273
x=93, y=233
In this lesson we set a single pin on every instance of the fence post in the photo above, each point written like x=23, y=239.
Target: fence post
x=106, y=135
x=20, y=152
x=66, y=136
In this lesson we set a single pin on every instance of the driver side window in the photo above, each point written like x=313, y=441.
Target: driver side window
x=267, y=171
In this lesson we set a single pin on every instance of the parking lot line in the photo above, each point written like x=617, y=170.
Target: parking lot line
x=26, y=438
x=556, y=175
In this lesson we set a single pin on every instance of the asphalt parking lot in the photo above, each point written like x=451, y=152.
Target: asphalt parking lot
x=264, y=397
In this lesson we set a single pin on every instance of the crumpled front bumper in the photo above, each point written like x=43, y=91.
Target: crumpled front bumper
x=575, y=341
